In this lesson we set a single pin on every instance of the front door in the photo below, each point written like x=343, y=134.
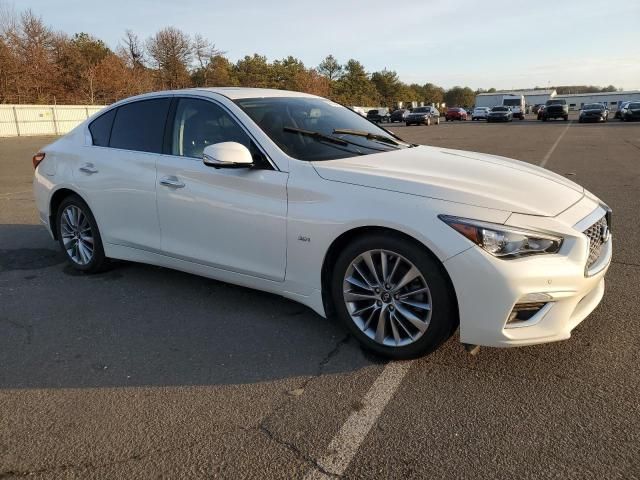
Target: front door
x=234, y=219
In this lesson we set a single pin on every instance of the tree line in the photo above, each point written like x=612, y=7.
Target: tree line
x=44, y=66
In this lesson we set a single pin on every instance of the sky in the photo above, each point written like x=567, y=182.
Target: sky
x=492, y=43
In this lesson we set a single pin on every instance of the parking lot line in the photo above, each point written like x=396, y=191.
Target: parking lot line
x=546, y=158
x=345, y=444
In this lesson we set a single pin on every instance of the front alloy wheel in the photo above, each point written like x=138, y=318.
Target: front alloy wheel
x=387, y=298
x=393, y=295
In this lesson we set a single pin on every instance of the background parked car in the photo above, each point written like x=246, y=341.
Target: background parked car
x=423, y=116
x=378, y=115
x=399, y=115
x=620, y=111
x=632, y=112
x=455, y=113
x=500, y=113
x=593, y=112
x=540, y=112
x=480, y=113
x=555, y=108
x=537, y=107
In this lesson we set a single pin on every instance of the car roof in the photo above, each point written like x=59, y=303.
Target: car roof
x=232, y=93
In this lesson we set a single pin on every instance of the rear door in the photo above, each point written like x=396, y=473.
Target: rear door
x=116, y=174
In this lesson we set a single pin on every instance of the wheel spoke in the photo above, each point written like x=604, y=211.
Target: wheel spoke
x=401, y=323
x=411, y=275
x=394, y=329
x=364, y=277
x=354, y=281
x=371, y=317
x=368, y=260
x=381, y=328
x=86, y=238
x=389, y=279
x=415, y=321
x=384, y=262
x=420, y=305
x=83, y=253
x=413, y=292
x=354, y=296
x=360, y=311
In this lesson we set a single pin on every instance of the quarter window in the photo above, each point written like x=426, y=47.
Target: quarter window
x=100, y=129
x=140, y=125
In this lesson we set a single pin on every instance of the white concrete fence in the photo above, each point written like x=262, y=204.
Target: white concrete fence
x=25, y=120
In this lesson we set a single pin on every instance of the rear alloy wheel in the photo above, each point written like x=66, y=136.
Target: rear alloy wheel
x=79, y=237
x=393, y=296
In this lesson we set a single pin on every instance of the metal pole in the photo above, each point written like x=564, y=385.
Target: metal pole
x=55, y=121
x=15, y=117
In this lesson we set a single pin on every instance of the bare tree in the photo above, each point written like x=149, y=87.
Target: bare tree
x=132, y=50
x=171, y=52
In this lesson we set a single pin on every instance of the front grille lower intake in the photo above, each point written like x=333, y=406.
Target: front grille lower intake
x=598, y=234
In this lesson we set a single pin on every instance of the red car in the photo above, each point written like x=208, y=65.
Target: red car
x=455, y=114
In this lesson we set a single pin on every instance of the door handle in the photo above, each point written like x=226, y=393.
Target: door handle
x=171, y=182
x=88, y=168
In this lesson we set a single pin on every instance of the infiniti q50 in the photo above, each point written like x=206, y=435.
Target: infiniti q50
x=297, y=195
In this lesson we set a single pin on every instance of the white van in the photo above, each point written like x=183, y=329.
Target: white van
x=517, y=104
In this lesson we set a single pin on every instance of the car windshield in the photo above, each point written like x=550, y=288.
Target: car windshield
x=313, y=129
x=372, y=112
x=420, y=110
x=556, y=102
x=499, y=109
x=634, y=105
x=593, y=106
x=511, y=102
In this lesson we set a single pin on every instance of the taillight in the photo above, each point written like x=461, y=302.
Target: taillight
x=37, y=158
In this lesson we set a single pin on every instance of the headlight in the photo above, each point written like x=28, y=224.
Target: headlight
x=502, y=241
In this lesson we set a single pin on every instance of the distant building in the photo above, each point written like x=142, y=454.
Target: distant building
x=531, y=97
x=610, y=99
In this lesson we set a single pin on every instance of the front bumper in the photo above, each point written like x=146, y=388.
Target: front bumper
x=489, y=288
x=499, y=118
x=592, y=118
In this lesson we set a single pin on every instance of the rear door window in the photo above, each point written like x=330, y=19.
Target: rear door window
x=100, y=129
x=140, y=125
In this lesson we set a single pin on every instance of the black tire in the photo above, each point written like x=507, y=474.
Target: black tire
x=565, y=118
x=407, y=124
x=98, y=262
x=444, y=314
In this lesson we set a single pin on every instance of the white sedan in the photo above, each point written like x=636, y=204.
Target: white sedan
x=480, y=113
x=296, y=195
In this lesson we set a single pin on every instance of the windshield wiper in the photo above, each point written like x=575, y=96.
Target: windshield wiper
x=367, y=135
x=328, y=138
x=318, y=135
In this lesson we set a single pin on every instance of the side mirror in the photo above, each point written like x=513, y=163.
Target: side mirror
x=227, y=155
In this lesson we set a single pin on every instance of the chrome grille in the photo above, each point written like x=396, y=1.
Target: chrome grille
x=597, y=235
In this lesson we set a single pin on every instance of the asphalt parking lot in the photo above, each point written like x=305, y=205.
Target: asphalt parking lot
x=143, y=372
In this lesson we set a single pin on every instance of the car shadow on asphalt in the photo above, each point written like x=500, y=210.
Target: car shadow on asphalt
x=140, y=325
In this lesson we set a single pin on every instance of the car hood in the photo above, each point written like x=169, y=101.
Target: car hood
x=458, y=176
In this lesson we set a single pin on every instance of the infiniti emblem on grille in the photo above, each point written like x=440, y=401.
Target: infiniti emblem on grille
x=604, y=233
